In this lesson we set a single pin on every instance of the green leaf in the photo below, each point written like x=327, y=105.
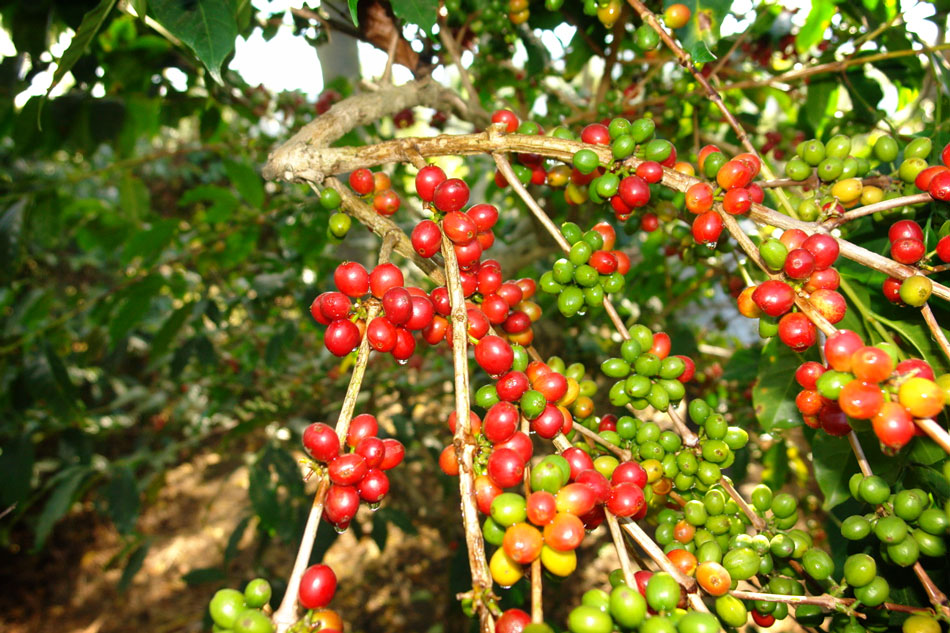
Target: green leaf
x=204, y=575
x=247, y=182
x=16, y=469
x=11, y=228
x=925, y=451
x=773, y=395
x=135, y=304
x=419, y=12
x=122, y=496
x=60, y=375
x=223, y=201
x=813, y=31
x=169, y=329
x=834, y=463
x=700, y=52
x=822, y=99
x=133, y=197
x=91, y=23
x=231, y=550
x=65, y=486
x=133, y=565
x=705, y=24
x=919, y=336
x=207, y=27
x=353, y=15
x=149, y=243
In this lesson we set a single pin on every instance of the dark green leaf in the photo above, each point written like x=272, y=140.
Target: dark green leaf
x=773, y=395
x=930, y=480
x=135, y=304
x=65, y=487
x=925, y=451
x=122, y=495
x=743, y=366
x=16, y=469
x=207, y=27
x=247, y=182
x=234, y=541
x=353, y=16
x=822, y=97
x=169, y=329
x=834, y=464
x=11, y=226
x=204, y=575
x=60, y=375
x=133, y=197
x=380, y=530
x=133, y=565
x=223, y=201
x=148, y=244
x=91, y=23
x=422, y=13
x=398, y=518
x=139, y=6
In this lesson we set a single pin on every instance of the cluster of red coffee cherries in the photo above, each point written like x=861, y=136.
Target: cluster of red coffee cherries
x=404, y=310
x=908, y=247
x=378, y=186
x=864, y=382
x=935, y=179
x=357, y=473
x=470, y=231
x=806, y=263
x=735, y=190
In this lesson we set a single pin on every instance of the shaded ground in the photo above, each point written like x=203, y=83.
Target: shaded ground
x=72, y=588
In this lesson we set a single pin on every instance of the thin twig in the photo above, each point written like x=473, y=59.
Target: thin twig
x=883, y=205
x=616, y=450
x=757, y=522
x=617, y=536
x=451, y=47
x=465, y=443
x=936, y=330
x=286, y=614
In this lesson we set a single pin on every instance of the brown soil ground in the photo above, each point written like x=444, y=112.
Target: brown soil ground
x=72, y=586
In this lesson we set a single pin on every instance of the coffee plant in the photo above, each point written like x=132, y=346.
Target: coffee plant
x=573, y=242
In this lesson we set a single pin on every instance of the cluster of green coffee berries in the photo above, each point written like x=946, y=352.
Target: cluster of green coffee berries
x=645, y=372
x=906, y=523
x=232, y=610
x=339, y=223
x=587, y=274
x=841, y=173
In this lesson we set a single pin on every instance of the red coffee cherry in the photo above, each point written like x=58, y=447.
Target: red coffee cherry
x=351, y=279
x=341, y=337
x=450, y=195
x=317, y=587
x=384, y=277
x=428, y=178
x=362, y=182
x=824, y=248
x=773, y=297
x=426, y=238
x=321, y=442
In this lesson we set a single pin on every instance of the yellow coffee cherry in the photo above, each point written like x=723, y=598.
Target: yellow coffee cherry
x=847, y=190
x=504, y=571
x=871, y=194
